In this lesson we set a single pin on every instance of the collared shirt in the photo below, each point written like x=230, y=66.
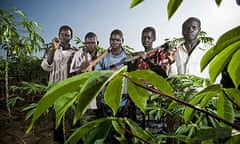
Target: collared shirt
x=189, y=64
x=158, y=57
x=59, y=69
x=78, y=59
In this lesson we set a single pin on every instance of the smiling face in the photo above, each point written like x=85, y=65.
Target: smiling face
x=190, y=30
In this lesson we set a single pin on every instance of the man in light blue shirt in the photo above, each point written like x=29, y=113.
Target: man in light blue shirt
x=112, y=62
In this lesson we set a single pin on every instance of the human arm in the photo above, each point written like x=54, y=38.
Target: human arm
x=56, y=44
x=79, y=62
x=156, y=68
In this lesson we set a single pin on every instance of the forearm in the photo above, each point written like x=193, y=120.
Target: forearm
x=50, y=56
x=156, y=68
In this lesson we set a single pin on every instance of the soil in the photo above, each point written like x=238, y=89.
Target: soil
x=14, y=132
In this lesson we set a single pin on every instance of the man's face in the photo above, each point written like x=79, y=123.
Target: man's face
x=116, y=41
x=147, y=39
x=65, y=36
x=191, y=30
x=91, y=44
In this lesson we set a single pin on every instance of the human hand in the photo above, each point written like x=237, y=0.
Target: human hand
x=172, y=55
x=56, y=43
x=84, y=65
x=142, y=55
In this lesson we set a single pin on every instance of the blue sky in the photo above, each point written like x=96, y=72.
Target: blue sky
x=103, y=16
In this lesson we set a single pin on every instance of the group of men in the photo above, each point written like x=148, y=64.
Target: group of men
x=63, y=60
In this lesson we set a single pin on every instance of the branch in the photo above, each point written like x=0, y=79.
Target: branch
x=184, y=103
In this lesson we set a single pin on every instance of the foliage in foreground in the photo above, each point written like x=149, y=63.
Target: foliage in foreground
x=208, y=115
x=81, y=90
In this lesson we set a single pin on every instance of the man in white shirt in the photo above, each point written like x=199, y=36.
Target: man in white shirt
x=57, y=62
x=190, y=52
x=83, y=57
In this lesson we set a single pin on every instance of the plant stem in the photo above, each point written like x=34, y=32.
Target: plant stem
x=237, y=127
x=7, y=92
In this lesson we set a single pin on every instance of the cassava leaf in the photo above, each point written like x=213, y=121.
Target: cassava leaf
x=234, y=68
x=234, y=94
x=135, y=3
x=63, y=104
x=72, y=84
x=113, y=93
x=189, y=112
x=218, y=2
x=99, y=132
x=154, y=79
x=173, y=5
x=225, y=109
x=201, y=100
x=212, y=133
x=224, y=41
x=233, y=140
x=218, y=64
x=90, y=89
x=86, y=128
x=136, y=130
x=138, y=95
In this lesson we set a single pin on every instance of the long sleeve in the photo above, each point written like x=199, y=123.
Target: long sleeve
x=77, y=61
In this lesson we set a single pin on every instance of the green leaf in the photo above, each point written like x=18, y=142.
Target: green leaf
x=37, y=25
x=86, y=128
x=137, y=94
x=212, y=133
x=234, y=68
x=218, y=2
x=229, y=36
x=135, y=3
x=100, y=132
x=173, y=5
x=20, y=12
x=216, y=88
x=201, y=100
x=72, y=84
x=30, y=110
x=233, y=140
x=136, y=130
x=233, y=93
x=117, y=127
x=62, y=105
x=89, y=90
x=92, y=87
x=224, y=41
x=113, y=93
x=218, y=64
x=225, y=109
x=171, y=106
x=189, y=112
x=154, y=79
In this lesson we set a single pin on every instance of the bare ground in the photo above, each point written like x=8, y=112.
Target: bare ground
x=14, y=132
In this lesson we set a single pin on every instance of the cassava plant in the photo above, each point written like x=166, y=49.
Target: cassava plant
x=208, y=116
x=18, y=36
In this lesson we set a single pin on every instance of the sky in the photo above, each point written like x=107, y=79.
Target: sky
x=101, y=17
